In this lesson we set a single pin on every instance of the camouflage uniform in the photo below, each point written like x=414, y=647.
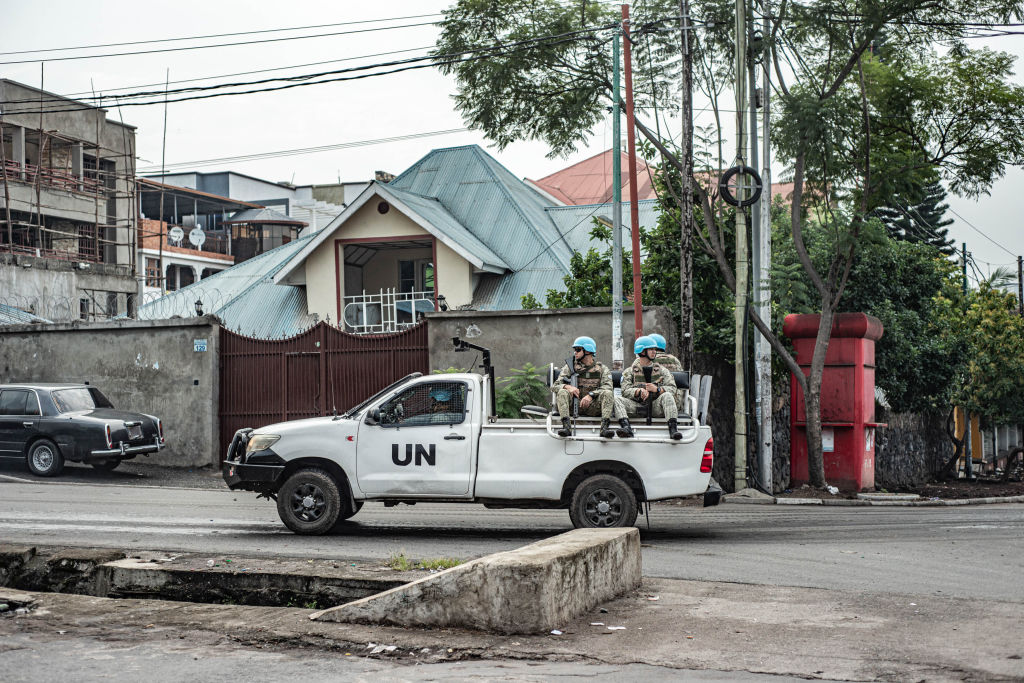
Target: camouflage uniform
x=672, y=364
x=664, y=403
x=595, y=380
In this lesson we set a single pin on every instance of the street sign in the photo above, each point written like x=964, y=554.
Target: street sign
x=199, y=345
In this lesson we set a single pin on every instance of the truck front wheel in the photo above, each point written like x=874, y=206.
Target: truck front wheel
x=603, y=500
x=309, y=502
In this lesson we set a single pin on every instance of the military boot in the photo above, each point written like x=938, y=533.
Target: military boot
x=566, y=430
x=606, y=430
x=625, y=431
x=673, y=429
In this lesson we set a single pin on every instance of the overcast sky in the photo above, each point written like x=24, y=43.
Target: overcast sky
x=414, y=102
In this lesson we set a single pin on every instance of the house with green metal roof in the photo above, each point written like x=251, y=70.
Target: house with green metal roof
x=455, y=230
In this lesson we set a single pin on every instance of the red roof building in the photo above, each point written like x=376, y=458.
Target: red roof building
x=590, y=181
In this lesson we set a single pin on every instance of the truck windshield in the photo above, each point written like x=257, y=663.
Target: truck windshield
x=352, y=411
x=73, y=400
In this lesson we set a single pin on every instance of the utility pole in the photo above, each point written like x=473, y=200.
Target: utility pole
x=740, y=312
x=762, y=270
x=634, y=208
x=968, y=453
x=686, y=215
x=616, y=212
x=1020, y=285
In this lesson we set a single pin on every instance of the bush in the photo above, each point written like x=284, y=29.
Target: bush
x=527, y=386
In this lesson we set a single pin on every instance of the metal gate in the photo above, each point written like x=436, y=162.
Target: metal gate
x=263, y=381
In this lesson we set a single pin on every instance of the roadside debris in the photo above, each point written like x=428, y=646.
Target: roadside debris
x=556, y=632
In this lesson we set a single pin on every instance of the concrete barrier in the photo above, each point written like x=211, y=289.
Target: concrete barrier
x=533, y=589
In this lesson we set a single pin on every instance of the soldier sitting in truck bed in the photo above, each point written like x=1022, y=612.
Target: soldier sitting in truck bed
x=659, y=387
x=593, y=389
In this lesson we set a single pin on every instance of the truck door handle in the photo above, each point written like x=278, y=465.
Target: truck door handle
x=454, y=437
x=26, y=424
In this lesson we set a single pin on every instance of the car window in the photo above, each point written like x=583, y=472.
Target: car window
x=426, y=404
x=98, y=399
x=12, y=401
x=72, y=400
x=32, y=404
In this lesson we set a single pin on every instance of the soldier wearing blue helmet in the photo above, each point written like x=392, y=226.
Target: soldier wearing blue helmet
x=593, y=388
x=664, y=358
x=636, y=389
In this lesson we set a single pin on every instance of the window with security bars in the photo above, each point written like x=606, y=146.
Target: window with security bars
x=430, y=403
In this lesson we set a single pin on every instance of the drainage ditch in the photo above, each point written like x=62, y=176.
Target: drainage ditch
x=309, y=584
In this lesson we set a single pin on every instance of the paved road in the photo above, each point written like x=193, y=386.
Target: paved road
x=973, y=551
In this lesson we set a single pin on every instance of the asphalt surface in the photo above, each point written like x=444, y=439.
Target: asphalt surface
x=962, y=552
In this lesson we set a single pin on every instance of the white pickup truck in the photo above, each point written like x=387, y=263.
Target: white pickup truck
x=434, y=438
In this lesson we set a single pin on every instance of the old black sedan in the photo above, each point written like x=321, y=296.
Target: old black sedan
x=49, y=423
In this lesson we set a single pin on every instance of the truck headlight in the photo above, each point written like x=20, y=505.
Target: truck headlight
x=261, y=442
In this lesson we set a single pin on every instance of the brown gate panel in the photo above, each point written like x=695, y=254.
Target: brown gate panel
x=263, y=381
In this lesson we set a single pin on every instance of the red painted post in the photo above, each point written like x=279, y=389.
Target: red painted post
x=847, y=399
x=634, y=209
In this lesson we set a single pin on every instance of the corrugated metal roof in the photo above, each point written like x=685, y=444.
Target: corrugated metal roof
x=505, y=292
x=263, y=215
x=244, y=297
x=431, y=210
x=496, y=206
x=9, y=315
x=575, y=222
x=590, y=181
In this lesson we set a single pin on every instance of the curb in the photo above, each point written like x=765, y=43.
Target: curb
x=845, y=502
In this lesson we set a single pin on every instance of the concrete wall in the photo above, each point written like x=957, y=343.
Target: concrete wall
x=538, y=337
x=145, y=366
x=51, y=288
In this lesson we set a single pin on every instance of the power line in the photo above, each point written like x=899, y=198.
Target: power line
x=978, y=230
x=216, y=35
x=242, y=73
x=204, y=47
x=302, y=150
x=401, y=65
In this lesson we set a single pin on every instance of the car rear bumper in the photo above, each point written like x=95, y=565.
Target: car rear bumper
x=123, y=451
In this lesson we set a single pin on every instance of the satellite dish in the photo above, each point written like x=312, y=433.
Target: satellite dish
x=197, y=237
x=176, y=235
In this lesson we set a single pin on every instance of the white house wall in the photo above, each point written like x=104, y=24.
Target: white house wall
x=454, y=274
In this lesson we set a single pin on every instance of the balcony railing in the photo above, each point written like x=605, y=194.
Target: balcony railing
x=52, y=177
x=386, y=311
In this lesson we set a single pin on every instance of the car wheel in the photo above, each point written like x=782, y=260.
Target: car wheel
x=309, y=502
x=44, y=459
x=106, y=465
x=603, y=500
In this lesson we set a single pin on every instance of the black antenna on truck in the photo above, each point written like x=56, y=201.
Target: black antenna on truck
x=461, y=345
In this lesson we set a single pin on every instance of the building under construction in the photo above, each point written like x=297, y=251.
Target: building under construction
x=67, y=215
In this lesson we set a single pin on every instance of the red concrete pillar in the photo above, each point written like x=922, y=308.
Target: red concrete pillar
x=847, y=399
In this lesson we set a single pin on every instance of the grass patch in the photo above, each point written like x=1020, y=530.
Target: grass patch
x=399, y=562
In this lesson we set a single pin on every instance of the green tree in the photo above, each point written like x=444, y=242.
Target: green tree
x=857, y=130
x=919, y=219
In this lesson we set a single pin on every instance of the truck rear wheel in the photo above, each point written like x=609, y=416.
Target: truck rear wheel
x=309, y=502
x=603, y=500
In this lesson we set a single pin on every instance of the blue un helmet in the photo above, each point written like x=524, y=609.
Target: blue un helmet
x=441, y=395
x=644, y=343
x=659, y=340
x=585, y=343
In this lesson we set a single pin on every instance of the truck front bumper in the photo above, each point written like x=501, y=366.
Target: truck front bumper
x=250, y=477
